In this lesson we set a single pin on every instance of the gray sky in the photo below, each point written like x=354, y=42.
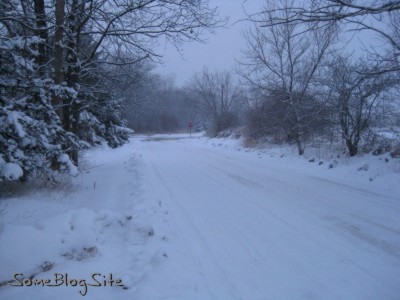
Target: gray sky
x=226, y=44
x=218, y=53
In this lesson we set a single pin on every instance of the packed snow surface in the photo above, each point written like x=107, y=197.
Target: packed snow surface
x=179, y=218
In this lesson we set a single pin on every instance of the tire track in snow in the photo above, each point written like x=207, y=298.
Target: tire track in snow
x=206, y=265
x=347, y=227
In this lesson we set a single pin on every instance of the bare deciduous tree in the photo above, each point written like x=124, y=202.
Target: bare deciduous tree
x=355, y=96
x=217, y=92
x=380, y=17
x=284, y=59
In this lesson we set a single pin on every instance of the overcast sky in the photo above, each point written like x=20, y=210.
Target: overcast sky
x=218, y=53
x=227, y=44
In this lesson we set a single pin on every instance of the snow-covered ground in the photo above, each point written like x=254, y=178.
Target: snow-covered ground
x=179, y=218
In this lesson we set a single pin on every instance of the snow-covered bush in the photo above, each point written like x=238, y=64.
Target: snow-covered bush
x=379, y=144
x=103, y=125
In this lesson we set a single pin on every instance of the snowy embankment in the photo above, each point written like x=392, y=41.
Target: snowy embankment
x=96, y=225
x=382, y=171
x=178, y=218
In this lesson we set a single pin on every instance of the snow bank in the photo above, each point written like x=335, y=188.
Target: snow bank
x=376, y=171
x=92, y=229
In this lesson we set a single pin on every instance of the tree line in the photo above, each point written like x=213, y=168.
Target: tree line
x=80, y=73
x=307, y=85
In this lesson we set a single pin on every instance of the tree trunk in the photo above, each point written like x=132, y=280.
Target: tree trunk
x=352, y=147
x=71, y=106
x=300, y=145
x=58, y=66
x=299, y=133
x=41, y=25
x=59, y=54
x=75, y=127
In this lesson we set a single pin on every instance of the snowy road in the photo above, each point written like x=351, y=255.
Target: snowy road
x=234, y=226
x=197, y=219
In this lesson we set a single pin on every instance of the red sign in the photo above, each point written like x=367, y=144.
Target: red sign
x=190, y=124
